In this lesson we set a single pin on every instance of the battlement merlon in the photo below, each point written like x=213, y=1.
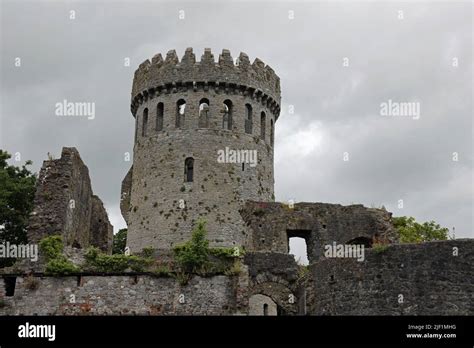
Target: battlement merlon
x=171, y=75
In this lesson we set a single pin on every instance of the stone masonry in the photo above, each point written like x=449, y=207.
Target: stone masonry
x=64, y=204
x=191, y=110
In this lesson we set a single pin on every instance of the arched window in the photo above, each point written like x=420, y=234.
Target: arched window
x=204, y=113
x=227, y=118
x=265, y=309
x=248, y=119
x=145, y=122
x=180, y=112
x=263, y=121
x=159, y=116
x=272, y=132
x=188, y=169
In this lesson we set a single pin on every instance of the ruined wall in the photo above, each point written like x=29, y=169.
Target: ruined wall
x=64, y=204
x=118, y=295
x=431, y=279
x=271, y=224
x=102, y=233
x=218, y=190
x=434, y=278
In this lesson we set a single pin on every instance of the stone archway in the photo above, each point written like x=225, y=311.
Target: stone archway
x=262, y=305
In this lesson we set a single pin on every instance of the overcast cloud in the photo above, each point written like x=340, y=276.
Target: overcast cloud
x=336, y=108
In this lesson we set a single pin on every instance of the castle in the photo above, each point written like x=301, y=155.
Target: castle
x=185, y=112
x=204, y=149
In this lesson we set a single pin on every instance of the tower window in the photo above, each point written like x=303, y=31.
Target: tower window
x=263, y=121
x=227, y=117
x=159, y=116
x=272, y=132
x=180, y=112
x=204, y=113
x=265, y=309
x=248, y=119
x=188, y=169
x=145, y=122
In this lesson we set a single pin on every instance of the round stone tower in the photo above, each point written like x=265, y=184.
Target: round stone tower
x=204, y=134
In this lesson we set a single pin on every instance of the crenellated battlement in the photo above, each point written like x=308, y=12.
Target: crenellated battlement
x=171, y=75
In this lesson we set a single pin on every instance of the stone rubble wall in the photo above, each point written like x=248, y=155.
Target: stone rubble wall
x=64, y=204
x=118, y=295
x=430, y=279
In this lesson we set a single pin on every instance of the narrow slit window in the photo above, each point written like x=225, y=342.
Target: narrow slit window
x=145, y=122
x=263, y=121
x=189, y=169
x=248, y=119
x=272, y=133
x=159, y=116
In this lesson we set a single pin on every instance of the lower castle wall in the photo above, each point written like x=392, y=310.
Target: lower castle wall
x=431, y=279
x=119, y=295
x=434, y=278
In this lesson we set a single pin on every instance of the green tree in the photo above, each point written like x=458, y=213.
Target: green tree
x=120, y=242
x=17, y=191
x=411, y=231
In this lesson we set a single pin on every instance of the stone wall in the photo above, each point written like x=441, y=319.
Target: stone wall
x=118, y=295
x=64, y=204
x=404, y=279
x=102, y=232
x=272, y=276
x=416, y=279
x=155, y=191
x=271, y=224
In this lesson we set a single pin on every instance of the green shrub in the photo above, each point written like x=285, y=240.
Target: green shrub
x=182, y=277
x=97, y=261
x=227, y=252
x=148, y=251
x=193, y=255
x=58, y=264
x=235, y=269
x=379, y=248
x=52, y=246
x=61, y=266
x=162, y=271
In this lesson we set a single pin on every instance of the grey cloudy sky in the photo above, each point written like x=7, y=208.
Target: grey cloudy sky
x=336, y=108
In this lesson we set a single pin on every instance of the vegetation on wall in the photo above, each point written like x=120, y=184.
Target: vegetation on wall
x=411, y=231
x=57, y=263
x=97, y=261
x=196, y=257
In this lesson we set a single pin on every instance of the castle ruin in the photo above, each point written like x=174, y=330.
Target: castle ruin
x=185, y=113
